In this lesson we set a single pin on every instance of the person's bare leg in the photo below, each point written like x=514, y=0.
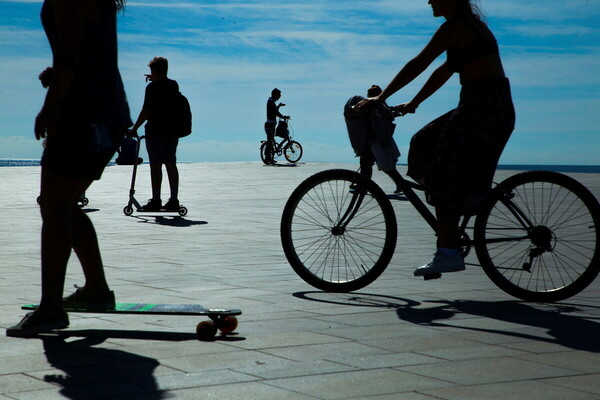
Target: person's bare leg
x=58, y=202
x=85, y=245
x=448, y=235
x=156, y=177
x=395, y=175
x=173, y=175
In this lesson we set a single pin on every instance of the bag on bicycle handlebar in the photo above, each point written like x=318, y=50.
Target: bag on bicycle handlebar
x=282, y=130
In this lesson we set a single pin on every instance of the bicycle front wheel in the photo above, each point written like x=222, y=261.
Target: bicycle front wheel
x=338, y=231
x=267, y=154
x=537, y=236
x=292, y=151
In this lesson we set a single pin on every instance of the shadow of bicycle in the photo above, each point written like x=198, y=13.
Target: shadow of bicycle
x=567, y=324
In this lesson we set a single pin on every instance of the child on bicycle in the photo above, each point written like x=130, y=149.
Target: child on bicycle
x=371, y=137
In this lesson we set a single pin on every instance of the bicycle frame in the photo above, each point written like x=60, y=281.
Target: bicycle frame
x=408, y=189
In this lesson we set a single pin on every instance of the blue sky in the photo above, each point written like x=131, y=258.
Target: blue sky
x=228, y=55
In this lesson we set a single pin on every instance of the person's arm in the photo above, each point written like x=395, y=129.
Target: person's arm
x=437, y=79
x=437, y=45
x=70, y=19
x=143, y=117
x=149, y=95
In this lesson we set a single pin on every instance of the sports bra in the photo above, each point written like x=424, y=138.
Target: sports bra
x=483, y=44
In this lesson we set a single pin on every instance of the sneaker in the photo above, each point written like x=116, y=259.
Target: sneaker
x=172, y=205
x=152, y=205
x=82, y=300
x=442, y=263
x=34, y=324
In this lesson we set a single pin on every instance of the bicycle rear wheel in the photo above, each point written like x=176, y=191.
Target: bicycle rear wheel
x=292, y=151
x=267, y=153
x=537, y=236
x=338, y=231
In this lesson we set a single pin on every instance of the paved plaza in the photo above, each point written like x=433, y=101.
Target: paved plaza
x=458, y=337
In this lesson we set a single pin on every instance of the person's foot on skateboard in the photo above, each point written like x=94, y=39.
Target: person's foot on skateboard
x=35, y=323
x=172, y=205
x=152, y=205
x=90, y=301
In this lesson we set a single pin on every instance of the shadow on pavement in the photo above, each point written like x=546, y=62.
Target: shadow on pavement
x=103, y=372
x=561, y=321
x=176, y=221
x=144, y=335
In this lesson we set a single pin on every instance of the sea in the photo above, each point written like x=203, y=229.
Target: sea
x=584, y=169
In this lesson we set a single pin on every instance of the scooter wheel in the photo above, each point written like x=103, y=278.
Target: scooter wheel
x=183, y=211
x=128, y=210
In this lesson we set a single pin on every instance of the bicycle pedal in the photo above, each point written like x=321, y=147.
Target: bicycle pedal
x=429, y=277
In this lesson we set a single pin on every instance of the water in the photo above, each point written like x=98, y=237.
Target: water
x=585, y=169
x=19, y=163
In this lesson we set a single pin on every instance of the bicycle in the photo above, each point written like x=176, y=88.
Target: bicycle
x=291, y=149
x=535, y=235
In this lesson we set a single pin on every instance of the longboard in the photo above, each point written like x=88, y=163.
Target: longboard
x=223, y=320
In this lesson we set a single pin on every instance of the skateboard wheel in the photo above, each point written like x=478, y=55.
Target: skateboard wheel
x=84, y=201
x=128, y=210
x=183, y=211
x=228, y=324
x=206, y=330
x=39, y=199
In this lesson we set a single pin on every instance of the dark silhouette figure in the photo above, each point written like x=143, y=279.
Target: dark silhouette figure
x=161, y=141
x=272, y=114
x=84, y=117
x=456, y=155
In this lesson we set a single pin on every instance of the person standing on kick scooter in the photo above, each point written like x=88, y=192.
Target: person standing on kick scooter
x=161, y=141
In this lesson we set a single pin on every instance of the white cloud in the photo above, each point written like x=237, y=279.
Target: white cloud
x=227, y=57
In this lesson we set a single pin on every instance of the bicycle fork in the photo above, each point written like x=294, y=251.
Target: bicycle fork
x=355, y=203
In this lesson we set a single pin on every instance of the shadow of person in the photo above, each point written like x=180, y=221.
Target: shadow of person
x=563, y=323
x=103, y=372
x=175, y=221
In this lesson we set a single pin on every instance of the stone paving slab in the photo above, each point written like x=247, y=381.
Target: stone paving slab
x=399, y=338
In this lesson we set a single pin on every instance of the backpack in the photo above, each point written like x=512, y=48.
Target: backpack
x=182, y=116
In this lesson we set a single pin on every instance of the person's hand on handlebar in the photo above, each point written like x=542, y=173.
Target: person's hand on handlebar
x=405, y=108
x=132, y=133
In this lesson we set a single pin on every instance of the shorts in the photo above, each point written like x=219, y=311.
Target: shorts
x=161, y=149
x=270, y=130
x=82, y=150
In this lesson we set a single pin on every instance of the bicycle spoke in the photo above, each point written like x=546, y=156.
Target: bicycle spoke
x=335, y=237
x=556, y=257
